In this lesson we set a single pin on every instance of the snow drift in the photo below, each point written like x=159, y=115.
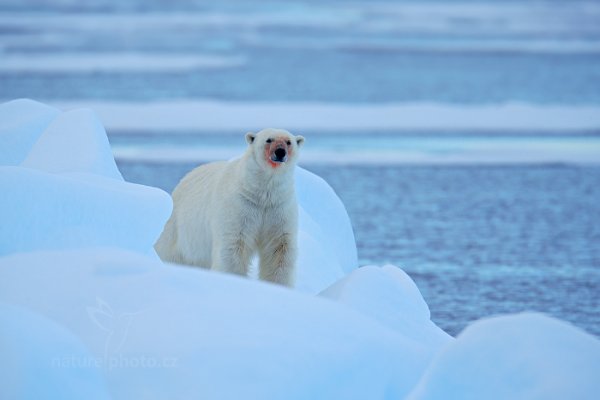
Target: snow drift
x=88, y=311
x=524, y=356
x=162, y=331
x=66, y=191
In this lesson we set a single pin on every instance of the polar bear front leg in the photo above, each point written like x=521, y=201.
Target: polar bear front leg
x=233, y=257
x=278, y=260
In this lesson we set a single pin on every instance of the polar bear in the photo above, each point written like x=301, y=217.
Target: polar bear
x=226, y=212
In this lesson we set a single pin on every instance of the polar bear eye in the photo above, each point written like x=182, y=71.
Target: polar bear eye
x=289, y=143
x=269, y=140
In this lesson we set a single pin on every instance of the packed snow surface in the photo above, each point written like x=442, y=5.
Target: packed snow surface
x=88, y=310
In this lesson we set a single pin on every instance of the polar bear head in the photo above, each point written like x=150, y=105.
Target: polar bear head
x=274, y=149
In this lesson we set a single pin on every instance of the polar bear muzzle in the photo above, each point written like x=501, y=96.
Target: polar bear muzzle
x=279, y=155
x=278, y=151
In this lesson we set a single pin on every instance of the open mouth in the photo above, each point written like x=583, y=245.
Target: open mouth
x=279, y=156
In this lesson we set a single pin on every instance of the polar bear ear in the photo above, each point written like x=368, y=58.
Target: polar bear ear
x=299, y=140
x=250, y=136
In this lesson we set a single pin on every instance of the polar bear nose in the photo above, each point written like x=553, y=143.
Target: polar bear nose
x=280, y=155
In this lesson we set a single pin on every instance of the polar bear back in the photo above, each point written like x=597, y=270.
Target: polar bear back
x=187, y=236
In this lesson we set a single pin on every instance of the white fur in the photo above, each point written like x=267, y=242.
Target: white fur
x=225, y=212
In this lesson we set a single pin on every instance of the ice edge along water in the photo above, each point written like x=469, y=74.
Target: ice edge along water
x=491, y=122
x=88, y=315
x=210, y=115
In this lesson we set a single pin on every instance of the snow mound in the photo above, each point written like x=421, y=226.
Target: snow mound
x=29, y=339
x=61, y=211
x=67, y=192
x=161, y=331
x=524, y=356
x=21, y=123
x=326, y=245
x=325, y=209
x=74, y=142
x=391, y=297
